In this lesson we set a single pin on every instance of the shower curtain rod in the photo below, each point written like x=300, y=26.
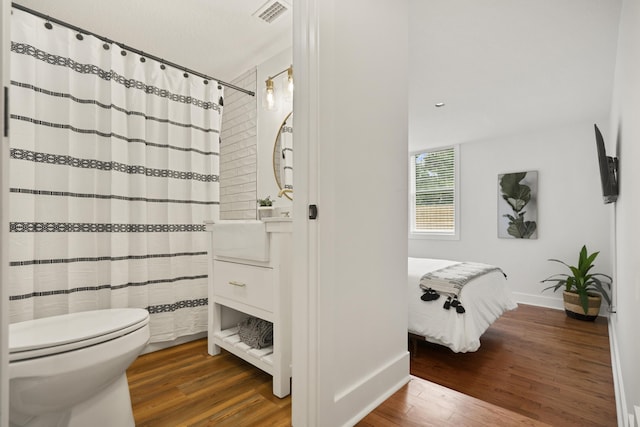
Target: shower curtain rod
x=123, y=46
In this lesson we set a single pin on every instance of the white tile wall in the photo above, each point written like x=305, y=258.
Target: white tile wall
x=238, y=166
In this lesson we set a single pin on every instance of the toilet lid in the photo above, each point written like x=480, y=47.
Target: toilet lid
x=55, y=334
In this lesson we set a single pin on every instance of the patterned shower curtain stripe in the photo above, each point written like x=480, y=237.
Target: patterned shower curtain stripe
x=109, y=287
x=112, y=106
x=107, y=75
x=108, y=196
x=104, y=258
x=110, y=135
x=55, y=159
x=114, y=168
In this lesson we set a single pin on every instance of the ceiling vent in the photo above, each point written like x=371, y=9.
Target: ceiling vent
x=271, y=10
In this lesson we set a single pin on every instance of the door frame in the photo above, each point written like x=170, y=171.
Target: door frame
x=5, y=37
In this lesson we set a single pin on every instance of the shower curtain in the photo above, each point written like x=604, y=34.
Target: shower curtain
x=113, y=169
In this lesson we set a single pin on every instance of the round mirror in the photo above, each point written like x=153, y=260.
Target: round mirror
x=283, y=157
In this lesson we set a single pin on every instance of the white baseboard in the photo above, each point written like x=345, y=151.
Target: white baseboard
x=155, y=346
x=554, y=302
x=539, y=300
x=618, y=385
x=375, y=389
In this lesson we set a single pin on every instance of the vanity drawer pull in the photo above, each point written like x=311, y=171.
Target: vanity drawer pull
x=235, y=283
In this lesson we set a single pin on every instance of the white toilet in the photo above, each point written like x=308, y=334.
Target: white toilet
x=70, y=370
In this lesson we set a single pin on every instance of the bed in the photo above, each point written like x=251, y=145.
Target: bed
x=484, y=298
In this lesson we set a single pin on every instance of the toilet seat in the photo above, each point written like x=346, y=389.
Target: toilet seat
x=67, y=332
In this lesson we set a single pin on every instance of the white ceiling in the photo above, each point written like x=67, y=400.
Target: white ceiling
x=501, y=66
x=505, y=67
x=219, y=38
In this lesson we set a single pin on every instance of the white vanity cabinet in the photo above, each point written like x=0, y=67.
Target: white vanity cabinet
x=258, y=286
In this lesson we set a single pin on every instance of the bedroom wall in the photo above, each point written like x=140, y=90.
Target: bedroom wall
x=626, y=133
x=570, y=208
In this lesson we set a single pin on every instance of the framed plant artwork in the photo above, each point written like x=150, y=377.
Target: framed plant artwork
x=518, y=205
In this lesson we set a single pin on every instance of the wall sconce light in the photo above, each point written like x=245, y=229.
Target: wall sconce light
x=270, y=98
x=289, y=93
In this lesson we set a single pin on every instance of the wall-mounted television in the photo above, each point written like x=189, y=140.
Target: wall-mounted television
x=608, y=170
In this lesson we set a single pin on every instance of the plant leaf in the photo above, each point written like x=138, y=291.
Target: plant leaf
x=597, y=285
x=584, y=301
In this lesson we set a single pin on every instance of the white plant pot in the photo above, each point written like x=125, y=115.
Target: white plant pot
x=265, y=212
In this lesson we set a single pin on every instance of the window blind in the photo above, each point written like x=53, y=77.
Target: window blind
x=434, y=200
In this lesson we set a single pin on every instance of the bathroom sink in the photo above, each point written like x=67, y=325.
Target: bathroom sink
x=241, y=239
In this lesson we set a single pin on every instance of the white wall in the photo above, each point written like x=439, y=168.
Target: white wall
x=269, y=123
x=626, y=132
x=570, y=208
x=238, y=147
x=350, y=267
x=248, y=136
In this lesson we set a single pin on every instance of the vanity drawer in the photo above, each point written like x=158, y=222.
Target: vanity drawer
x=246, y=284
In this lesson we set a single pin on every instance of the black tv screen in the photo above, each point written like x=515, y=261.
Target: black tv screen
x=608, y=170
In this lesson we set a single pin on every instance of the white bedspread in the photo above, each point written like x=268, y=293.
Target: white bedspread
x=485, y=299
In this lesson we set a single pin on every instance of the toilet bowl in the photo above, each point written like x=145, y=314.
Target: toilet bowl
x=70, y=370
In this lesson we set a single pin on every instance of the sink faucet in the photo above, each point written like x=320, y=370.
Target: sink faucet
x=285, y=190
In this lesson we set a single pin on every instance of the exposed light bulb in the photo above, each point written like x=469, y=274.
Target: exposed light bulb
x=287, y=86
x=269, y=98
x=290, y=80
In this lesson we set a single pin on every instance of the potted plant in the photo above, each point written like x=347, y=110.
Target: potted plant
x=265, y=207
x=582, y=290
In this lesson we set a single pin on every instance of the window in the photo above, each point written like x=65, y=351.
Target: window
x=434, y=193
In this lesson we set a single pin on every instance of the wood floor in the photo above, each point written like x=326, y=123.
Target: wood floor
x=184, y=386
x=536, y=362
x=535, y=367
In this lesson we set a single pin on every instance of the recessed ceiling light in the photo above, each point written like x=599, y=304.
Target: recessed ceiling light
x=440, y=104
